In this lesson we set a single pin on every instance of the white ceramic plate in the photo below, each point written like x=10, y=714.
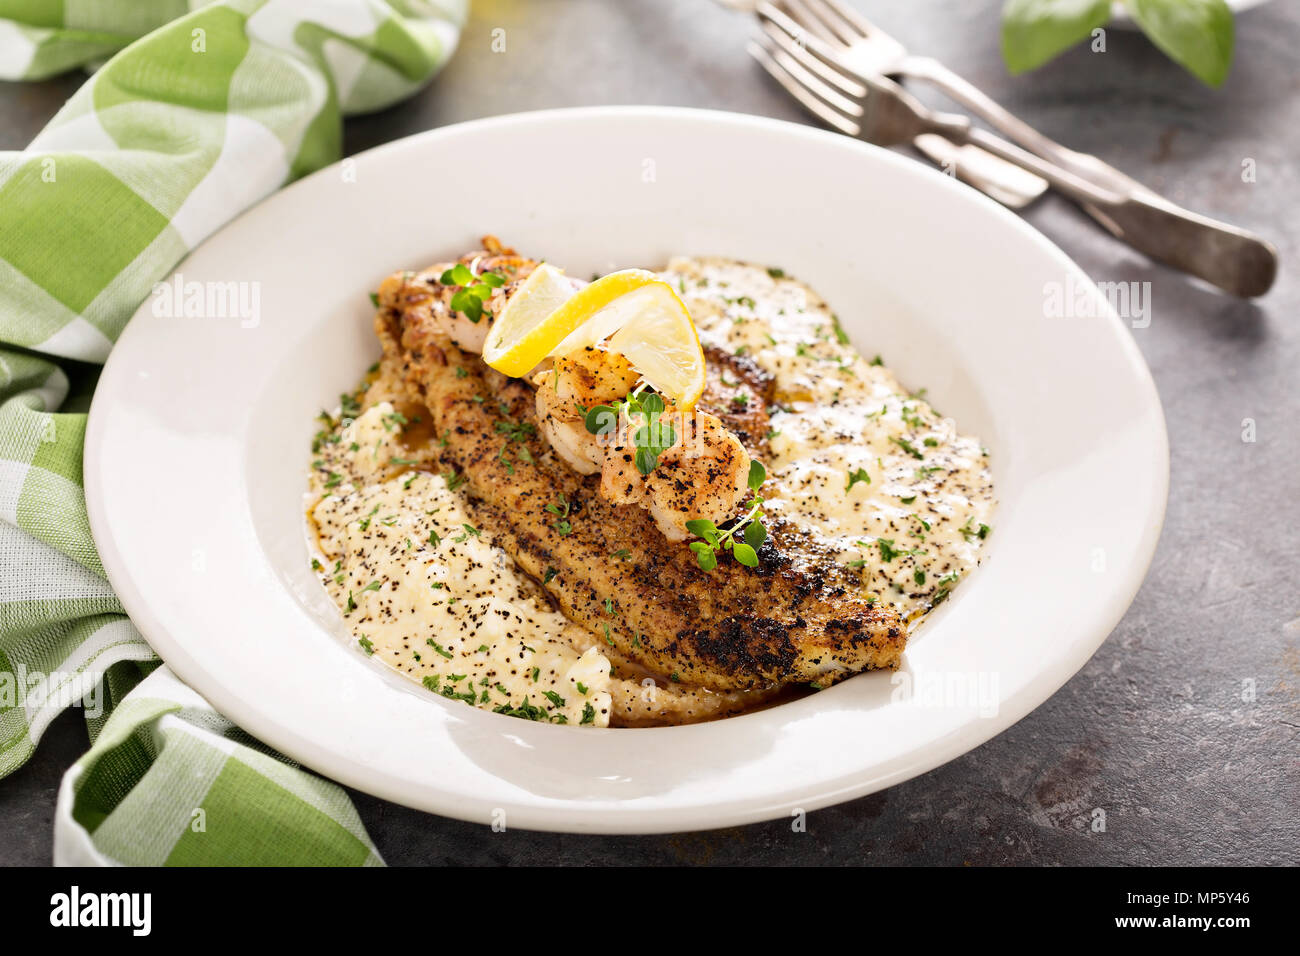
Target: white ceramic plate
x=198, y=449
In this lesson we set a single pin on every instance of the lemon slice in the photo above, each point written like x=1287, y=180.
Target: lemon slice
x=548, y=315
x=527, y=329
x=660, y=340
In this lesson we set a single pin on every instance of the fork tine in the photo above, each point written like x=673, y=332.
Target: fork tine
x=829, y=83
x=779, y=70
x=801, y=15
x=811, y=52
x=849, y=18
x=808, y=14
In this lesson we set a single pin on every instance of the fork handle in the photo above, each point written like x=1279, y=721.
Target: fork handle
x=976, y=101
x=1233, y=259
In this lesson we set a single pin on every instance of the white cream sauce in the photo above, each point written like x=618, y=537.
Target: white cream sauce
x=871, y=470
x=429, y=594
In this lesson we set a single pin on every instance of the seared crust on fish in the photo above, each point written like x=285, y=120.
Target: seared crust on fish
x=607, y=566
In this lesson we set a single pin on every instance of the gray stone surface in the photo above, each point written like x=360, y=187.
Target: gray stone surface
x=1154, y=729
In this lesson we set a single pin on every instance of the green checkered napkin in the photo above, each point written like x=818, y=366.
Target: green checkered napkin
x=199, y=116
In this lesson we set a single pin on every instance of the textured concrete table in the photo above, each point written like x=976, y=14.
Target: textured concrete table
x=1159, y=729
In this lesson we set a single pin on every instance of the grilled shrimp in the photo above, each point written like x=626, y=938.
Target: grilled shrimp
x=416, y=291
x=703, y=474
x=588, y=377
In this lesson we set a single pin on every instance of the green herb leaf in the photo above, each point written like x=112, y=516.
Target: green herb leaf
x=907, y=446
x=601, y=419
x=646, y=461
x=857, y=476
x=1035, y=31
x=757, y=475
x=744, y=554
x=701, y=527
x=1196, y=34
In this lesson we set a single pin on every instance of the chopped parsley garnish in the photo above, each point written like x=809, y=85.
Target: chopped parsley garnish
x=525, y=711
x=906, y=445
x=439, y=648
x=562, y=525
x=516, y=431
x=366, y=645
x=588, y=714
x=855, y=476
x=549, y=576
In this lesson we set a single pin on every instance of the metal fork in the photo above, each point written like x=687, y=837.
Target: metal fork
x=1008, y=184
x=858, y=45
x=876, y=109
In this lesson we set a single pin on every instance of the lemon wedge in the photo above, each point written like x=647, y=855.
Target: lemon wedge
x=525, y=331
x=639, y=313
x=661, y=342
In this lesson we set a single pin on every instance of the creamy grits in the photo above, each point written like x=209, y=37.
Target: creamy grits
x=868, y=468
x=428, y=593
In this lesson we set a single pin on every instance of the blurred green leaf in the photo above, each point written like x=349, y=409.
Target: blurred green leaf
x=1034, y=31
x=1198, y=34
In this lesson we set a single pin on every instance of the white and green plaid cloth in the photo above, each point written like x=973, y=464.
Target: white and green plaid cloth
x=207, y=109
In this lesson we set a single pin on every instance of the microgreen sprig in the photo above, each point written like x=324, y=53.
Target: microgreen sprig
x=750, y=528
x=650, y=439
x=474, y=289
